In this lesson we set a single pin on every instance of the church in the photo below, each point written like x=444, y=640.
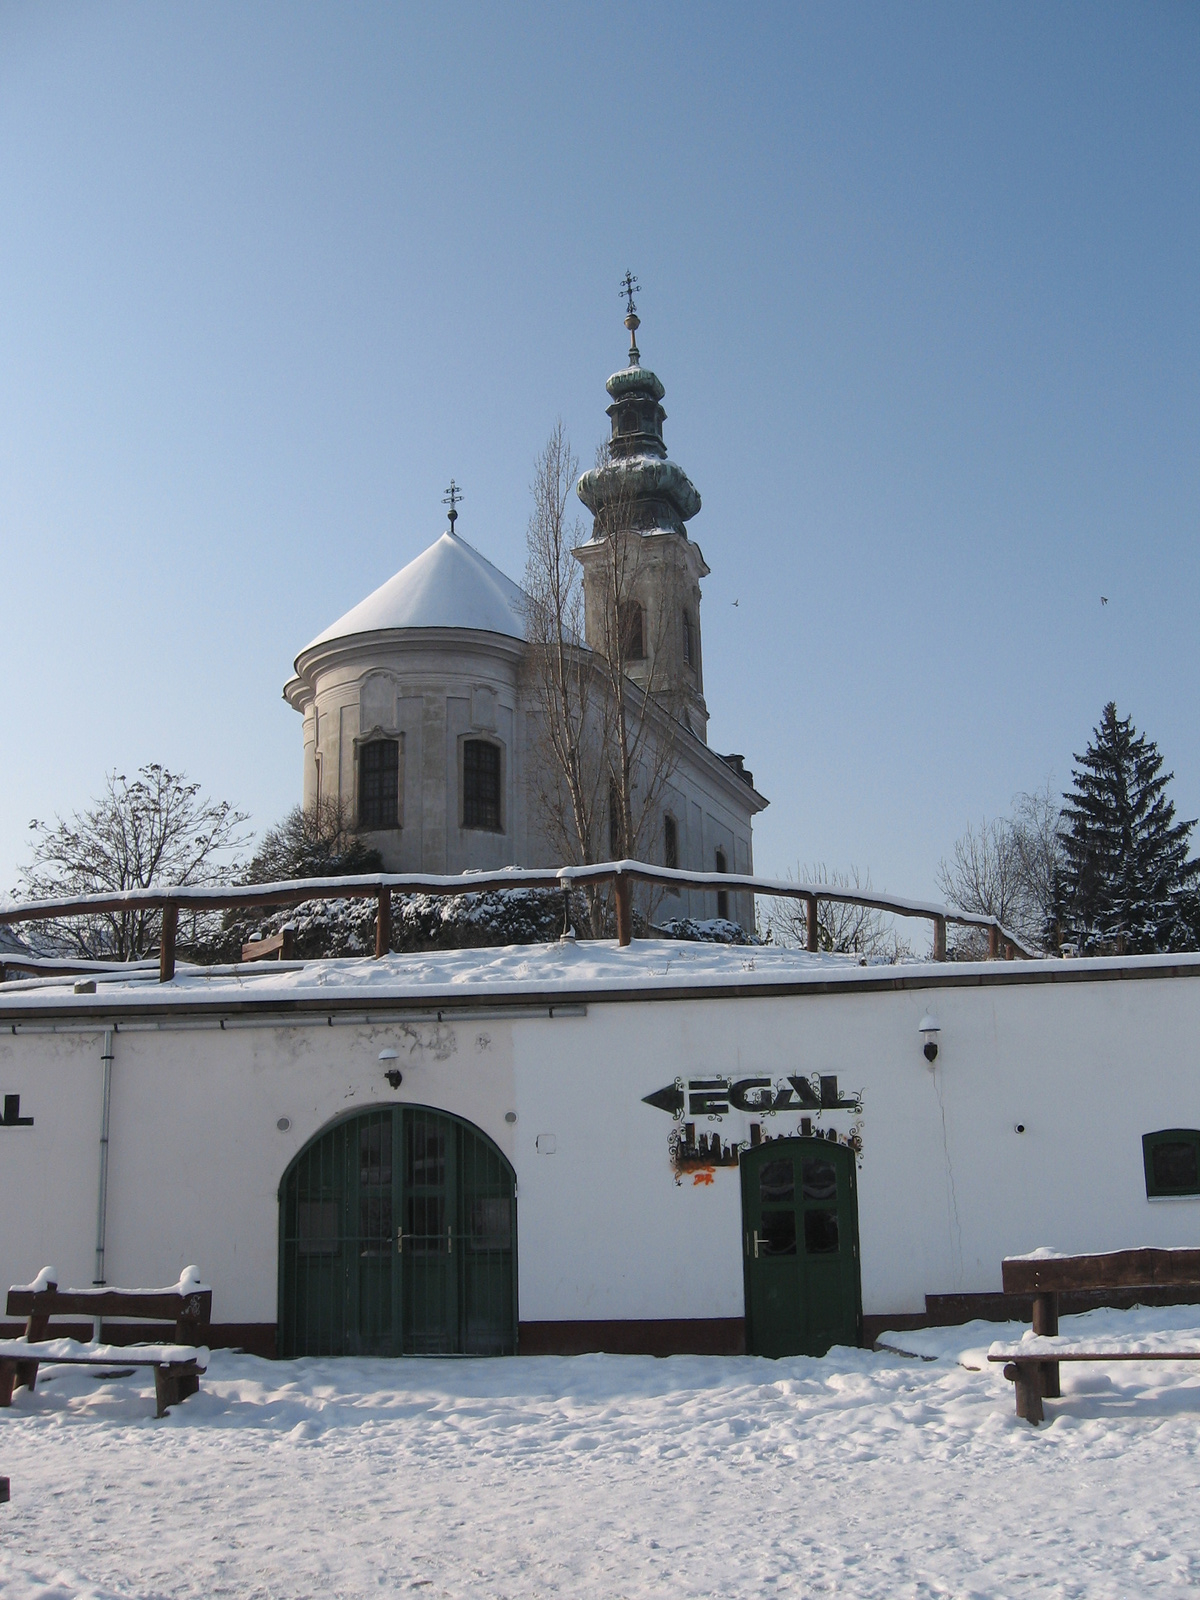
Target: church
x=419, y=722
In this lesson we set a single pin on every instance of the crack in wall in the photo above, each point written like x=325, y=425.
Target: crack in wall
x=952, y=1194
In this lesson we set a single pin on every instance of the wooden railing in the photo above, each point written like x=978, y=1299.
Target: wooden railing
x=621, y=875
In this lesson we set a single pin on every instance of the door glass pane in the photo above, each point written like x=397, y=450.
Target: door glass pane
x=778, y=1233
x=777, y=1183
x=317, y=1227
x=820, y=1232
x=375, y=1224
x=1175, y=1166
x=426, y=1222
x=375, y=1152
x=818, y=1179
x=491, y=1225
x=426, y=1154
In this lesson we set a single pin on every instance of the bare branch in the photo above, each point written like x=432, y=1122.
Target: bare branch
x=155, y=831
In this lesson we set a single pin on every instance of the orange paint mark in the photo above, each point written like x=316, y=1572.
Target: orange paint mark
x=705, y=1175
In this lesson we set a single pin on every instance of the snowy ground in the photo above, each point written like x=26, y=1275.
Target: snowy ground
x=862, y=1474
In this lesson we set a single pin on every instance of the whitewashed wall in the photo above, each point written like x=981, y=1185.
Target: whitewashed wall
x=946, y=1185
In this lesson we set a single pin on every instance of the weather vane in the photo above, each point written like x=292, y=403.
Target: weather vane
x=632, y=321
x=451, y=498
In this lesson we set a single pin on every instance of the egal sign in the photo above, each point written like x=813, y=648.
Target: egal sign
x=714, y=1099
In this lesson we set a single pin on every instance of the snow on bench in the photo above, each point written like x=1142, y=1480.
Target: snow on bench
x=177, y=1366
x=1031, y=1364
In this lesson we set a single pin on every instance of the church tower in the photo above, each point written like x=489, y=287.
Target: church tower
x=640, y=498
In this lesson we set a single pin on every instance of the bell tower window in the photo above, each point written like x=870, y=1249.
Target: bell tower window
x=689, y=644
x=722, y=894
x=633, y=631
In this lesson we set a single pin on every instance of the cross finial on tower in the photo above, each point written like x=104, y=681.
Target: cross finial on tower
x=451, y=498
x=632, y=321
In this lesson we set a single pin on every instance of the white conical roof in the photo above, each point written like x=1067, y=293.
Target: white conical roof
x=450, y=585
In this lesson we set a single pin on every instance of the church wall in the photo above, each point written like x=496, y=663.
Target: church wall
x=608, y=1229
x=708, y=819
x=427, y=695
x=434, y=690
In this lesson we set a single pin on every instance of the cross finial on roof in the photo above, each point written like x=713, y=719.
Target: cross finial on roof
x=451, y=498
x=632, y=321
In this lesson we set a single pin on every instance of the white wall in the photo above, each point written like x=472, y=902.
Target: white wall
x=946, y=1186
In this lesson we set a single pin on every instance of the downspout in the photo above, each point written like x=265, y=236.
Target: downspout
x=106, y=1061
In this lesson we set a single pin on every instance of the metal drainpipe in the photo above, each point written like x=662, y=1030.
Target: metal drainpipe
x=102, y=1201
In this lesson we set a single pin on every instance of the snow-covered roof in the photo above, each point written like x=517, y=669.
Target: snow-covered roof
x=562, y=972
x=567, y=968
x=449, y=585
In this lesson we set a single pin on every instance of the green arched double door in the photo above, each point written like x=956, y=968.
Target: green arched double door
x=398, y=1237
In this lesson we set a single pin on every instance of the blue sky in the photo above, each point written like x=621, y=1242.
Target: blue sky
x=920, y=281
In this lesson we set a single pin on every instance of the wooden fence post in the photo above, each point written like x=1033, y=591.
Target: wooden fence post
x=939, y=938
x=624, y=904
x=993, y=942
x=810, y=920
x=1045, y=1323
x=383, y=924
x=166, y=945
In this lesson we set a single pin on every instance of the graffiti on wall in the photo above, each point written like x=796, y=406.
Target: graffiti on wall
x=768, y=1103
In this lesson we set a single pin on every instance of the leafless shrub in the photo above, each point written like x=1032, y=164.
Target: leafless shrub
x=842, y=929
x=155, y=831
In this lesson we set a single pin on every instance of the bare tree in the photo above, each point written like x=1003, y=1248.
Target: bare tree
x=1007, y=869
x=643, y=733
x=1036, y=821
x=985, y=875
x=842, y=929
x=559, y=675
x=605, y=726
x=155, y=831
x=317, y=841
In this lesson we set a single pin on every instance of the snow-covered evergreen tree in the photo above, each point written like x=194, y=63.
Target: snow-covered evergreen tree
x=1127, y=882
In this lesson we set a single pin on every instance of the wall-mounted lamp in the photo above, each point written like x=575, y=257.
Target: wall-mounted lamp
x=393, y=1074
x=929, y=1027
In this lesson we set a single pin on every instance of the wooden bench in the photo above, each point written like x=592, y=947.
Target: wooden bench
x=177, y=1367
x=1032, y=1364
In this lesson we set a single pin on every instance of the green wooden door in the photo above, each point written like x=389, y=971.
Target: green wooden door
x=800, y=1247
x=398, y=1237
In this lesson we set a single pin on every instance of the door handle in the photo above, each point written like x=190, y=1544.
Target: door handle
x=400, y=1240
x=756, y=1244
x=449, y=1241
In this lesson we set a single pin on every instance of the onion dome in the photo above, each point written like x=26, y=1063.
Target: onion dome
x=638, y=486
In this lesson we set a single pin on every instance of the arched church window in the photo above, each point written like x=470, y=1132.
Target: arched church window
x=633, y=631
x=670, y=841
x=379, y=784
x=481, y=785
x=722, y=894
x=689, y=643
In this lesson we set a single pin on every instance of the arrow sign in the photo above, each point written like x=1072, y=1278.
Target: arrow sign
x=669, y=1099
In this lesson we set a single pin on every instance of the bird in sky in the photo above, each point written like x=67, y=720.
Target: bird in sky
x=1103, y=599
x=735, y=602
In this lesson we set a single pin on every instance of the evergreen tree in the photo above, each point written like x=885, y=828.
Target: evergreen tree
x=1126, y=880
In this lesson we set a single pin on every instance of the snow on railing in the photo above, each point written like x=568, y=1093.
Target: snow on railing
x=382, y=885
